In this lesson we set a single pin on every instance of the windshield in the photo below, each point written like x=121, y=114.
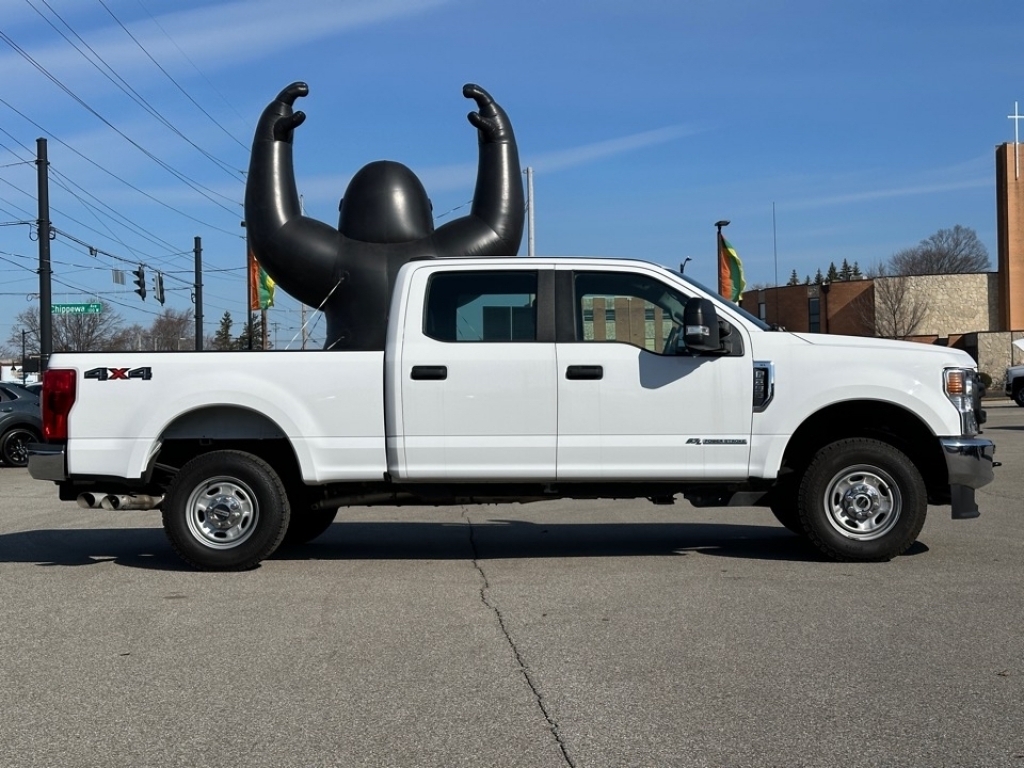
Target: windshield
x=736, y=307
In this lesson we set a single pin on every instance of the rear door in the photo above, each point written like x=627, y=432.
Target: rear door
x=476, y=376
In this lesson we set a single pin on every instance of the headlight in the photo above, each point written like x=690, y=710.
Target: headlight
x=958, y=384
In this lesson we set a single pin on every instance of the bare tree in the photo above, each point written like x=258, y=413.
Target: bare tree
x=129, y=339
x=71, y=333
x=172, y=330
x=948, y=251
x=898, y=309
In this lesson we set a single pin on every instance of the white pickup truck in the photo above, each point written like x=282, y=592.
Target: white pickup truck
x=524, y=379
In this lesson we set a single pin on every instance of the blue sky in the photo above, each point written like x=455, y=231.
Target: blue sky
x=866, y=125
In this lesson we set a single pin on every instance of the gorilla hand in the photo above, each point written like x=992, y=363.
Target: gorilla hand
x=278, y=120
x=491, y=120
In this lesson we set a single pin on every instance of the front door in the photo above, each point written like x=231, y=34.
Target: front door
x=630, y=407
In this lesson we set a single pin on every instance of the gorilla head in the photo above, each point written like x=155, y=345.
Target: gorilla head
x=385, y=203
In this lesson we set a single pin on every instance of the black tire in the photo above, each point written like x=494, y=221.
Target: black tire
x=1018, y=396
x=307, y=525
x=226, y=511
x=14, y=445
x=862, y=499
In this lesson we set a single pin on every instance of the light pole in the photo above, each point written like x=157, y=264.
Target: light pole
x=682, y=267
x=23, y=332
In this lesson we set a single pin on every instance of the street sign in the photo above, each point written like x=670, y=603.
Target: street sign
x=76, y=309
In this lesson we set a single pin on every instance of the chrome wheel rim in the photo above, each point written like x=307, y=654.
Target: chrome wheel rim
x=863, y=502
x=222, y=513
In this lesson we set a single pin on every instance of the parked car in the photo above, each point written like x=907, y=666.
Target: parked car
x=1015, y=378
x=20, y=423
x=15, y=390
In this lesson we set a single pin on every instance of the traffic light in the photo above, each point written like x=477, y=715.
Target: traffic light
x=158, y=288
x=140, y=280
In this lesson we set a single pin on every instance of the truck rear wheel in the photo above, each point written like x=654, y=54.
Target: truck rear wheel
x=862, y=499
x=226, y=511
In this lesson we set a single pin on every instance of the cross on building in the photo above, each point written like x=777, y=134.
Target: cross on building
x=1016, y=117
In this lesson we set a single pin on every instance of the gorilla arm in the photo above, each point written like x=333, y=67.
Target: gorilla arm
x=494, y=226
x=299, y=253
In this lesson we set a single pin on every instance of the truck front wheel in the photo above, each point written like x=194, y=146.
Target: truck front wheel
x=226, y=511
x=862, y=499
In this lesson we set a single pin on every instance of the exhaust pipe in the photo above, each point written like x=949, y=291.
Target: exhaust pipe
x=121, y=501
x=88, y=500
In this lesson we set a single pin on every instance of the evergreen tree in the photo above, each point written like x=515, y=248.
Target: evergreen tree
x=818, y=278
x=833, y=273
x=845, y=272
x=856, y=273
x=793, y=279
x=807, y=279
x=223, y=340
x=242, y=342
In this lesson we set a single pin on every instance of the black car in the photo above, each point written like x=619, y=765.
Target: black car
x=20, y=423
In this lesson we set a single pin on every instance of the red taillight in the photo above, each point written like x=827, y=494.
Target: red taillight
x=58, y=396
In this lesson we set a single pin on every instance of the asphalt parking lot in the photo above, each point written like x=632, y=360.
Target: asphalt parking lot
x=603, y=634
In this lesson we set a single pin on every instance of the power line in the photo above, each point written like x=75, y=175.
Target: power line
x=168, y=75
x=115, y=176
x=111, y=74
x=193, y=184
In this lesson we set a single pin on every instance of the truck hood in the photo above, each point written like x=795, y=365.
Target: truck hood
x=946, y=356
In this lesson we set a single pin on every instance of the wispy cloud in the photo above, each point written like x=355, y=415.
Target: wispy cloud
x=444, y=178
x=589, y=153
x=889, y=192
x=973, y=173
x=234, y=32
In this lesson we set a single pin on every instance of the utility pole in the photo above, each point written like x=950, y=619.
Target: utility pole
x=529, y=211
x=198, y=249
x=248, y=291
x=23, y=332
x=43, y=232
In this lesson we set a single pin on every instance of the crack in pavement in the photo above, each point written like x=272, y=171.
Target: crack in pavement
x=523, y=669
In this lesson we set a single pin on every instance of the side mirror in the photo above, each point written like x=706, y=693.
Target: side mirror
x=700, y=326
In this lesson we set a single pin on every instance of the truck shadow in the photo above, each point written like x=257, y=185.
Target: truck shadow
x=499, y=539
x=147, y=548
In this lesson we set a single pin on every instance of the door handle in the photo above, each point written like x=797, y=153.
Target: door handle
x=577, y=372
x=429, y=372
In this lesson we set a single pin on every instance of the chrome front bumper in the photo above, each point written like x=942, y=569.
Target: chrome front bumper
x=969, y=462
x=46, y=462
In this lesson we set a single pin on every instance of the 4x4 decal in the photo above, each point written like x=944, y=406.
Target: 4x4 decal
x=107, y=374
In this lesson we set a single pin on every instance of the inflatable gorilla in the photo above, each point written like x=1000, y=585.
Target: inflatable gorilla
x=385, y=221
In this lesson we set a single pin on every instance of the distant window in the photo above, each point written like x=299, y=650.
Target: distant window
x=482, y=306
x=814, y=315
x=635, y=309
